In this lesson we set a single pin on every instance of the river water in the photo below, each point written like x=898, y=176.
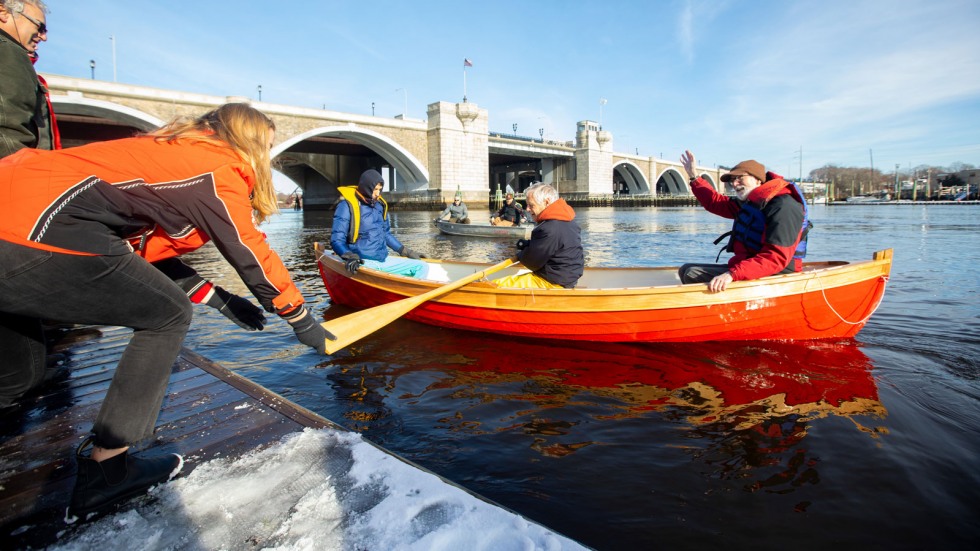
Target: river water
x=870, y=442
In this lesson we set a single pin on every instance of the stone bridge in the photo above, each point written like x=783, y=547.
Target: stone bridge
x=423, y=161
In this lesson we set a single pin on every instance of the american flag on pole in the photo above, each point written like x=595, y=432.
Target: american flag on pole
x=467, y=63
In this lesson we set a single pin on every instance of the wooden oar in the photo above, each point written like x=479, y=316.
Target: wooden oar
x=353, y=327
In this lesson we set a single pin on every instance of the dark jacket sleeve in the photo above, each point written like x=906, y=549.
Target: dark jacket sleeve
x=223, y=211
x=20, y=94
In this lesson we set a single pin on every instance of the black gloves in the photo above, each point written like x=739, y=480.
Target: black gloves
x=201, y=291
x=237, y=309
x=410, y=253
x=307, y=330
x=352, y=261
x=522, y=244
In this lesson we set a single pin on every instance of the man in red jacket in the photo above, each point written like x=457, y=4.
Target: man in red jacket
x=767, y=236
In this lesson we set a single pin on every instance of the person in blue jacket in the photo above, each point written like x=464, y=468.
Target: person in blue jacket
x=361, y=233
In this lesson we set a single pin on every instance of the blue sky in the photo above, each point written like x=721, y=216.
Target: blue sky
x=728, y=79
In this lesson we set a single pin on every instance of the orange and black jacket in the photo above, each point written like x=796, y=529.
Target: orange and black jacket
x=784, y=227
x=143, y=196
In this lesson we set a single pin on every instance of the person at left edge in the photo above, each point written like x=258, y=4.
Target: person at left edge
x=67, y=241
x=26, y=117
x=26, y=121
x=361, y=233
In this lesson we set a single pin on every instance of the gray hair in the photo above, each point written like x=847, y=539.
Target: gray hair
x=542, y=193
x=17, y=6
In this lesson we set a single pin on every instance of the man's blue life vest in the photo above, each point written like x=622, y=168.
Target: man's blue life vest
x=750, y=224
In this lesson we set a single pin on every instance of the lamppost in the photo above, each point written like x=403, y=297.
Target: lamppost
x=602, y=101
x=372, y=108
x=112, y=38
x=514, y=126
x=541, y=133
x=91, y=65
x=259, y=88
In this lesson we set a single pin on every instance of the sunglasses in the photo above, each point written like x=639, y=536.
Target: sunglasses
x=42, y=27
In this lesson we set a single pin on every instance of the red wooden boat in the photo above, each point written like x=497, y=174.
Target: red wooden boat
x=826, y=300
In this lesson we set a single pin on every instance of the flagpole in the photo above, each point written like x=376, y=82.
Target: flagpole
x=466, y=63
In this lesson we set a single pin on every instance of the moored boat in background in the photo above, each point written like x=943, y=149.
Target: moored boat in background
x=877, y=198
x=485, y=230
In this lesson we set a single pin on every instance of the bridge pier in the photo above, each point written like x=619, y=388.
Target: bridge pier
x=458, y=144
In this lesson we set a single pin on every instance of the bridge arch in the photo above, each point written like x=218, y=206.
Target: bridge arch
x=725, y=188
x=672, y=182
x=628, y=174
x=83, y=120
x=411, y=175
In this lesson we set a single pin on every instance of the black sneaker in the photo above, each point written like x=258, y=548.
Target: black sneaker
x=99, y=486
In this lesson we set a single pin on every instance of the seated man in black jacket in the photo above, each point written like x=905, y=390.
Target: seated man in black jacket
x=554, y=253
x=510, y=214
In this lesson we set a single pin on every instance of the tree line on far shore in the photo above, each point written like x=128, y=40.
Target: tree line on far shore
x=862, y=180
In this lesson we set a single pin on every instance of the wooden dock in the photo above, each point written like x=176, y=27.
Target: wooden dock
x=202, y=418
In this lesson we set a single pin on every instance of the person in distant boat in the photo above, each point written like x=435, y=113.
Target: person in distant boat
x=554, y=253
x=457, y=213
x=510, y=214
x=771, y=222
x=361, y=234
x=80, y=230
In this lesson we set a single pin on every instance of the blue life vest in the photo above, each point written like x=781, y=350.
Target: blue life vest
x=750, y=224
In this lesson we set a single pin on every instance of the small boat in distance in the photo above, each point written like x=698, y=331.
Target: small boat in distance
x=826, y=300
x=877, y=198
x=485, y=230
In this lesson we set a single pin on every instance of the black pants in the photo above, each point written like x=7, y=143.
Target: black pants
x=703, y=273
x=700, y=273
x=121, y=290
x=22, y=356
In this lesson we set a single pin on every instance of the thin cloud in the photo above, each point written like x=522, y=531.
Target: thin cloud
x=685, y=32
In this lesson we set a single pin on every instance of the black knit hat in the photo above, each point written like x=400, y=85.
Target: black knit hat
x=369, y=179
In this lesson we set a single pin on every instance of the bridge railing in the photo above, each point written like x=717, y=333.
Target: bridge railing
x=529, y=139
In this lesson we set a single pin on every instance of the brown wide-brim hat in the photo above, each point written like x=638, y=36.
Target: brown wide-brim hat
x=750, y=167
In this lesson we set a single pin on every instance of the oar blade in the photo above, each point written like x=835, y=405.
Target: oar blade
x=353, y=327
